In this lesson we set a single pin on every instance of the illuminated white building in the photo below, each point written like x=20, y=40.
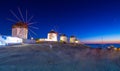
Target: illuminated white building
x=63, y=38
x=6, y=40
x=72, y=39
x=20, y=30
x=43, y=39
x=52, y=36
x=77, y=41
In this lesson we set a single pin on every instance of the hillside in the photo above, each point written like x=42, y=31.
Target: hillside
x=57, y=57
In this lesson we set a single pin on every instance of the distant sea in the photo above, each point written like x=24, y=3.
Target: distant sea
x=102, y=45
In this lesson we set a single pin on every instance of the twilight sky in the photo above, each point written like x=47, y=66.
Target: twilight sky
x=89, y=20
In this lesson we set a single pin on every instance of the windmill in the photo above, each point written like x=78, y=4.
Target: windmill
x=22, y=25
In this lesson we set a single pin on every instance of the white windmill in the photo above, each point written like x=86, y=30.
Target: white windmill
x=22, y=25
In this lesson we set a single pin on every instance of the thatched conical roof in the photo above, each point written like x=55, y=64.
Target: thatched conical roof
x=52, y=31
x=20, y=25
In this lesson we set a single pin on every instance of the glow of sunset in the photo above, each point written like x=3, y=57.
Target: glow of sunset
x=103, y=39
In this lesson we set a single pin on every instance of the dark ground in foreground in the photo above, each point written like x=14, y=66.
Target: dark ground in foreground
x=61, y=57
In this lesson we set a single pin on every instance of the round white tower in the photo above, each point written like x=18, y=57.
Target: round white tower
x=52, y=36
x=63, y=38
x=20, y=29
x=72, y=39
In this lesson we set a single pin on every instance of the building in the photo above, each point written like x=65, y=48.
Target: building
x=77, y=41
x=63, y=38
x=52, y=36
x=43, y=39
x=72, y=39
x=7, y=40
x=20, y=29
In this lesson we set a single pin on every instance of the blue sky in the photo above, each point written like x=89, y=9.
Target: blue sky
x=88, y=20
